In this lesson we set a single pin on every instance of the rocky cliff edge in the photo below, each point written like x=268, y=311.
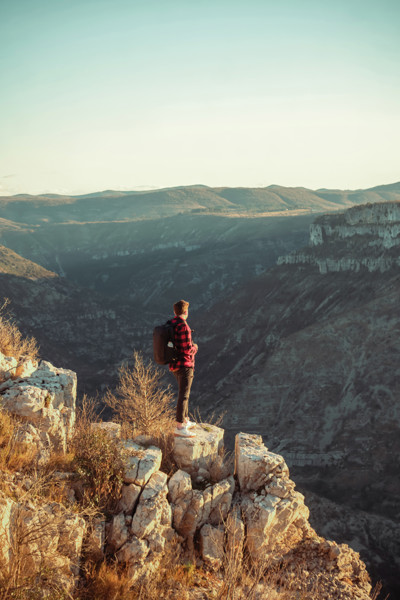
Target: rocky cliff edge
x=249, y=513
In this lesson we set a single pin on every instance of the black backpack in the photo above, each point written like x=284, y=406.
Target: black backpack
x=164, y=349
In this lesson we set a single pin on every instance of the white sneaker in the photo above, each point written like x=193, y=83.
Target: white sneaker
x=184, y=432
x=189, y=424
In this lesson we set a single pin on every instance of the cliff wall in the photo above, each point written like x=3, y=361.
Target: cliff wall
x=363, y=237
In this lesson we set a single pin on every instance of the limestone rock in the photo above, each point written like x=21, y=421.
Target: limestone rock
x=149, y=528
x=235, y=534
x=221, y=501
x=200, y=452
x=133, y=551
x=118, y=533
x=254, y=464
x=6, y=510
x=280, y=486
x=112, y=429
x=96, y=539
x=50, y=537
x=178, y=485
x=45, y=398
x=130, y=494
x=8, y=367
x=140, y=463
x=26, y=368
x=212, y=545
x=26, y=401
x=150, y=508
x=37, y=440
x=268, y=519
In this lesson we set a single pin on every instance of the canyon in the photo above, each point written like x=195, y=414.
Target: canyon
x=296, y=316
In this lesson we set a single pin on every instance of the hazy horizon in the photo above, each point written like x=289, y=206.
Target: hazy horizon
x=130, y=95
x=154, y=189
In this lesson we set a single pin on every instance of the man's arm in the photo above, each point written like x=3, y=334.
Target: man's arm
x=183, y=340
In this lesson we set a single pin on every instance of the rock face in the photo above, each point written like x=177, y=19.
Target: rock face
x=43, y=396
x=138, y=533
x=199, y=456
x=42, y=537
x=309, y=360
x=257, y=509
x=262, y=512
x=274, y=513
x=363, y=237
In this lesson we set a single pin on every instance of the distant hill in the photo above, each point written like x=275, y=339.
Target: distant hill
x=112, y=205
x=12, y=263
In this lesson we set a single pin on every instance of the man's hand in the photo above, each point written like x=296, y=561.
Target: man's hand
x=195, y=346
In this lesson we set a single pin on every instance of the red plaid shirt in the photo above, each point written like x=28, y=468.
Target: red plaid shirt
x=183, y=343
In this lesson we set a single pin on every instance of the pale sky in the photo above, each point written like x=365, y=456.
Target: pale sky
x=126, y=94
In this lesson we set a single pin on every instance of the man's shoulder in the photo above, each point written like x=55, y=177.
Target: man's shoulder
x=180, y=324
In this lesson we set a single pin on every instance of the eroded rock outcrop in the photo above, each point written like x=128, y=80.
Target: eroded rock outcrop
x=43, y=397
x=261, y=511
x=41, y=537
x=255, y=508
x=138, y=533
x=363, y=237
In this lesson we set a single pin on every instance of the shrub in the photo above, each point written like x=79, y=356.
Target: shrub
x=12, y=342
x=97, y=460
x=14, y=455
x=141, y=400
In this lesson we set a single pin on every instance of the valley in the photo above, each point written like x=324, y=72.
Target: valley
x=296, y=315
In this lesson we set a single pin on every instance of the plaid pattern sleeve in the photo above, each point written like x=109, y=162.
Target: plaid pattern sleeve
x=183, y=343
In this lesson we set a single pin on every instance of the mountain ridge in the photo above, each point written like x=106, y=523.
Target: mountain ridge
x=131, y=205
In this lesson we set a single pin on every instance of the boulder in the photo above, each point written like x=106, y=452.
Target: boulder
x=129, y=495
x=118, y=533
x=8, y=367
x=212, y=545
x=200, y=452
x=178, y=485
x=49, y=538
x=254, y=464
x=112, y=429
x=133, y=552
x=44, y=397
x=140, y=463
x=150, y=507
x=269, y=518
x=96, y=538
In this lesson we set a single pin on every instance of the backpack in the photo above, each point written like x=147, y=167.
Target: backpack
x=164, y=349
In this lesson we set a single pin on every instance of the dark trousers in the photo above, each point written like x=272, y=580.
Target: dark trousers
x=184, y=377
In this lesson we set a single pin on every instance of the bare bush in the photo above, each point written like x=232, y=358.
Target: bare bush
x=141, y=401
x=172, y=580
x=12, y=342
x=97, y=459
x=31, y=571
x=14, y=454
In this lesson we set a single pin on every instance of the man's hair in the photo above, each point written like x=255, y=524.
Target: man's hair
x=181, y=307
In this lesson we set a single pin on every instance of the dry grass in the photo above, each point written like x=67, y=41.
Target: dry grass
x=97, y=460
x=60, y=461
x=171, y=580
x=211, y=419
x=141, y=401
x=12, y=342
x=14, y=455
x=27, y=575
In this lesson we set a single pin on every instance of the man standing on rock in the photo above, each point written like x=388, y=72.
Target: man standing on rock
x=183, y=367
